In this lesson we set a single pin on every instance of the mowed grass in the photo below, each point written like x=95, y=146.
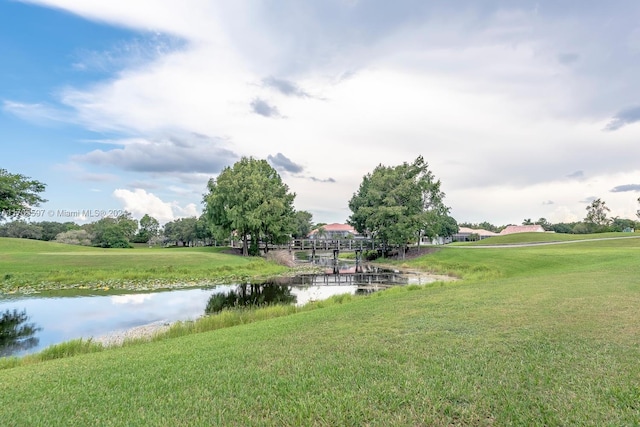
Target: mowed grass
x=544, y=335
x=519, y=238
x=28, y=266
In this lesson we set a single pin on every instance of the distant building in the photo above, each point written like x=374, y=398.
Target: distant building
x=334, y=231
x=438, y=240
x=466, y=234
x=511, y=229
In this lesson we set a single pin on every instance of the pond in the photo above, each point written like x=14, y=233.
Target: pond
x=31, y=323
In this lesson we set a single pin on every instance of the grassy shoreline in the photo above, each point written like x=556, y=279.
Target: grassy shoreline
x=28, y=266
x=225, y=319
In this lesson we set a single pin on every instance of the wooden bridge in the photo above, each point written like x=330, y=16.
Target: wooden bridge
x=317, y=247
x=318, y=244
x=327, y=245
x=321, y=246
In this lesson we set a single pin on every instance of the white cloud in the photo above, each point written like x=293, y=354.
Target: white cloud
x=37, y=113
x=139, y=202
x=126, y=54
x=190, y=210
x=503, y=102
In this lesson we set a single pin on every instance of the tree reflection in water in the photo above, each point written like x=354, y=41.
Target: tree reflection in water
x=251, y=295
x=15, y=333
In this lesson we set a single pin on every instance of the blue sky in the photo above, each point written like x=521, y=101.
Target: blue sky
x=522, y=109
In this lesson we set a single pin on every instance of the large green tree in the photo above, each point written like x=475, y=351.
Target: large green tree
x=251, y=200
x=182, y=231
x=112, y=232
x=303, y=224
x=398, y=204
x=597, y=219
x=448, y=226
x=18, y=194
x=149, y=227
x=203, y=231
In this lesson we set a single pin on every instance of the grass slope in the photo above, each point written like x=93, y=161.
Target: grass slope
x=29, y=265
x=519, y=238
x=532, y=336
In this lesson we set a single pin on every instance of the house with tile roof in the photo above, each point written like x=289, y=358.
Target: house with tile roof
x=511, y=229
x=464, y=234
x=334, y=231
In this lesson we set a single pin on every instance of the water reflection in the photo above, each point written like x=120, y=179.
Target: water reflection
x=353, y=275
x=65, y=315
x=15, y=333
x=331, y=266
x=250, y=295
x=336, y=277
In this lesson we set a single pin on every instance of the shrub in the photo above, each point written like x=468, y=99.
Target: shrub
x=75, y=237
x=370, y=255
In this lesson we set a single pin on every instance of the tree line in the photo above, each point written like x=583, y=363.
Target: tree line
x=114, y=232
x=248, y=201
x=596, y=220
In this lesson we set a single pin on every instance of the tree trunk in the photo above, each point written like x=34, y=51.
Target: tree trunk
x=245, y=246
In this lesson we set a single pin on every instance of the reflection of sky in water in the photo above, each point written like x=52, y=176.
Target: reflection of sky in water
x=131, y=299
x=316, y=293
x=66, y=318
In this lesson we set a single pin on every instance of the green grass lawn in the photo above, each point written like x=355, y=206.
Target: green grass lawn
x=29, y=265
x=519, y=238
x=545, y=335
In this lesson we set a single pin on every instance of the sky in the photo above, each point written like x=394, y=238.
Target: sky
x=521, y=109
